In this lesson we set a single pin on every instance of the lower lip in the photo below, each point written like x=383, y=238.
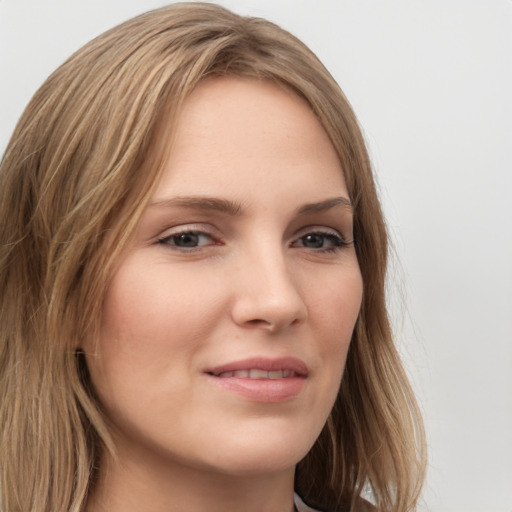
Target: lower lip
x=262, y=390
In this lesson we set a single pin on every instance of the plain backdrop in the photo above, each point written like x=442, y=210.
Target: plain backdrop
x=431, y=82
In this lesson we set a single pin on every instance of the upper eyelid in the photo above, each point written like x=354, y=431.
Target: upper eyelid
x=185, y=231
x=314, y=228
x=166, y=240
x=186, y=228
x=198, y=227
x=326, y=234
x=218, y=235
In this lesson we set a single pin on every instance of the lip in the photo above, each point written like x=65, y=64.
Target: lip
x=292, y=364
x=270, y=390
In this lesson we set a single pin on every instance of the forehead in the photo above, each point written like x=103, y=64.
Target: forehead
x=233, y=128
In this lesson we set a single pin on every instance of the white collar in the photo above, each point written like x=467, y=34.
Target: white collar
x=301, y=506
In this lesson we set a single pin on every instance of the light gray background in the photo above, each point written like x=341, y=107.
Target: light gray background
x=431, y=82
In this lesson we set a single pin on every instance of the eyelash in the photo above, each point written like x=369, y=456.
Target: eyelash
x=166, y=240
x=337, y=241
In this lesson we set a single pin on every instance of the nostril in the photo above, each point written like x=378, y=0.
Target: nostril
x=258, y=321
x=271, y=326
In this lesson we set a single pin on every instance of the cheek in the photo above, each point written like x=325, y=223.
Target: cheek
x=335, y=307
x=152, y=309
x=336, y=320
x=153, y=323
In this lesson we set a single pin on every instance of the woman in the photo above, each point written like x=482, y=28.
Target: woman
x=192, y=274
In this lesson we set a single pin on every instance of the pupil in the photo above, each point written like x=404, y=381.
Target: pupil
x=186, y=240
x=314, y=241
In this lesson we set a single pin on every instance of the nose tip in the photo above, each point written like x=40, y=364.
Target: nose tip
x=269, y=299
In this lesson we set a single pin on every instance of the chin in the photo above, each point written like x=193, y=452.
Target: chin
x=262, y=452
x=257, y=464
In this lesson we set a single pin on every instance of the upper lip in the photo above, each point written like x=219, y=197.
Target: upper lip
x=268, y=364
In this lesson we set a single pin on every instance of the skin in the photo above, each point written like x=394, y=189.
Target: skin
x=250, y=272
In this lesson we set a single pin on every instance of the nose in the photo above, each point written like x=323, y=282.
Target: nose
x=268, y=295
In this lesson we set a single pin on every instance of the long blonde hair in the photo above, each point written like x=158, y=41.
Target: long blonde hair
x=74, y=180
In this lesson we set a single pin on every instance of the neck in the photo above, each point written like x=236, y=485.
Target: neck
x=135, y=485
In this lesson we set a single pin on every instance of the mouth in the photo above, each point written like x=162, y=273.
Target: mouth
x=257, y=373
x=261, y=368
x=262, y=379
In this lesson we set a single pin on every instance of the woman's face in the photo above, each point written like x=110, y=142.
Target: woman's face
x=227, y=323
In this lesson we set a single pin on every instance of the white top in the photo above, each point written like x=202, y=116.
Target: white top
x=301, y=506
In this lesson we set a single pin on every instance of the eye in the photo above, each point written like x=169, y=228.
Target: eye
x=321, y=241
x=187, y=240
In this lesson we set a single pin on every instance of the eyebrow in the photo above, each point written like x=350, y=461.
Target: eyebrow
x=327, y=204
x=234, y=208
x=202, y=203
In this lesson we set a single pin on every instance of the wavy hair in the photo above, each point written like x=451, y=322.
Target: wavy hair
x=76, y=176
